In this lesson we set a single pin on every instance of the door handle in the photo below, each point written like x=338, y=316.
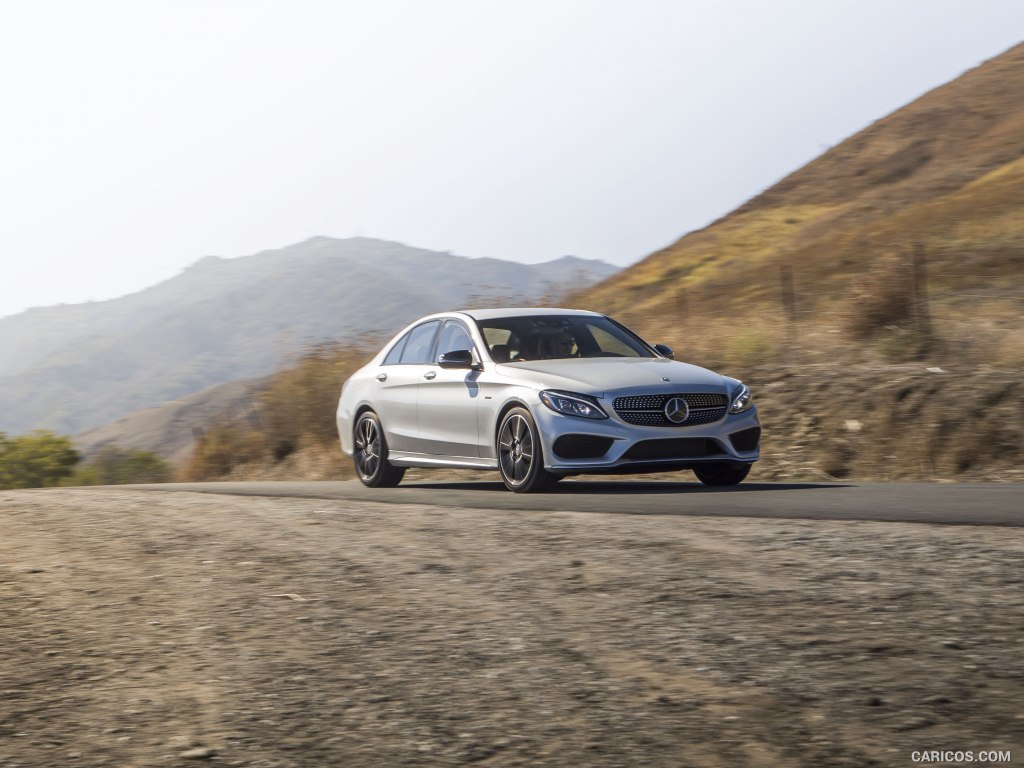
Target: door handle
x=429, y=375
x=382, y=377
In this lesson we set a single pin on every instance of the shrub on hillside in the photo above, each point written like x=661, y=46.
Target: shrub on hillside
x=220, y=449
x=749, y=348
x=121, y=466
x=36, y=460
x=882, y=297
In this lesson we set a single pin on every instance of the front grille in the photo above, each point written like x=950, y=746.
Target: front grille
x=648, y=410
x=674, y=448
x=582, y=446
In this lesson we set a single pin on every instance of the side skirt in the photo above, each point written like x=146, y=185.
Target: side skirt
x=408, y=459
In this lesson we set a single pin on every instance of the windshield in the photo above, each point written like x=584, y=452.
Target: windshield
x=556, y=337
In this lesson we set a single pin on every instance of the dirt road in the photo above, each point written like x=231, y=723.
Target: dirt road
x=164, y=629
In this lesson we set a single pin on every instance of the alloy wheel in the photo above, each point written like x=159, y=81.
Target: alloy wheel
x=368, y=449
x=515, y=446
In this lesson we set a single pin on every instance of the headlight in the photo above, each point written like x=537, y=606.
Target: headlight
x=742, y=401
x=572, y=404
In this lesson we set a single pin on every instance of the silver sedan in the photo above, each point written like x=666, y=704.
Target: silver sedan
x=540, y=394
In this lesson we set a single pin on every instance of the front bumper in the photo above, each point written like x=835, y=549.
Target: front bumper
x=633, y=448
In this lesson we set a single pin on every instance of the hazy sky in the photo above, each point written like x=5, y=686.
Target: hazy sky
x=138, y=136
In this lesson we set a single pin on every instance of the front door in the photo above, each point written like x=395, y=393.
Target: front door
x=448, y=400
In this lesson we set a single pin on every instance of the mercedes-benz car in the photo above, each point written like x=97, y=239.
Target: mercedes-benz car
x=538, y=395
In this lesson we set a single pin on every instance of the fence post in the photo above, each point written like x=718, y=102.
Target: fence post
x=682, y=303
x=788, y=295
x=919, y=291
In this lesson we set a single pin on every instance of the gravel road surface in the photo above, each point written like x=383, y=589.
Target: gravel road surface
x=178, y=628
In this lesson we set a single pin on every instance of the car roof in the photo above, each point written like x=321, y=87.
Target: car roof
x=490, y=314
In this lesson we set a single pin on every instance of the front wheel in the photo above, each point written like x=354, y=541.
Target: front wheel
x=520, y=457
x=370, y=455
x=732, y=473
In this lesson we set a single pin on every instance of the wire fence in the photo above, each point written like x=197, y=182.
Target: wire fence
x=799, y=300
x=898, y=308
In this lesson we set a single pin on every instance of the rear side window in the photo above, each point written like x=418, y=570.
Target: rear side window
x=417, y=347
x=396, y=351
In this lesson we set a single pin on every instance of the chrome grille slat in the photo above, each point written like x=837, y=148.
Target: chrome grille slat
x=647, y=410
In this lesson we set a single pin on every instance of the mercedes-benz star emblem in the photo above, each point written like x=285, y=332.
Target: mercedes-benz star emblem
x=677, y=410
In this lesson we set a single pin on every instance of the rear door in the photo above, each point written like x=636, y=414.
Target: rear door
x=398, y=380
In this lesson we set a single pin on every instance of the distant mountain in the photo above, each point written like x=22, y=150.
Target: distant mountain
x=74, y=367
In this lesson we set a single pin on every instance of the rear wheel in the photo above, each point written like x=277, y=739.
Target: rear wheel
x=520, y=457
x=370, y=455
x=731, y=473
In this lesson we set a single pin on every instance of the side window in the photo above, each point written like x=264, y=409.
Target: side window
x=396, y=351
x=421, y=339
x=454, y=336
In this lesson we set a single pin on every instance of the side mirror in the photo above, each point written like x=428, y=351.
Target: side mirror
x=665, y=351
x=458, y=358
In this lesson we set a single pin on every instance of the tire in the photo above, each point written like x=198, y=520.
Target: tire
x=731, y=473
x=520, y=456
x=370, y=454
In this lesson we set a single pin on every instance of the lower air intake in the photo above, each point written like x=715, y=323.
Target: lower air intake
x=746, y=440
x=582, y=446
x=677, y=448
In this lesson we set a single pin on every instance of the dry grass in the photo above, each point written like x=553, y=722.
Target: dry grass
x=292, y=429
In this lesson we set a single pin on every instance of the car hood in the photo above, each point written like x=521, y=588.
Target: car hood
x=595, y=376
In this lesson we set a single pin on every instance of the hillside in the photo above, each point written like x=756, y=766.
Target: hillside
x=943, y=175
x=71, y=368
x=170, y=430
